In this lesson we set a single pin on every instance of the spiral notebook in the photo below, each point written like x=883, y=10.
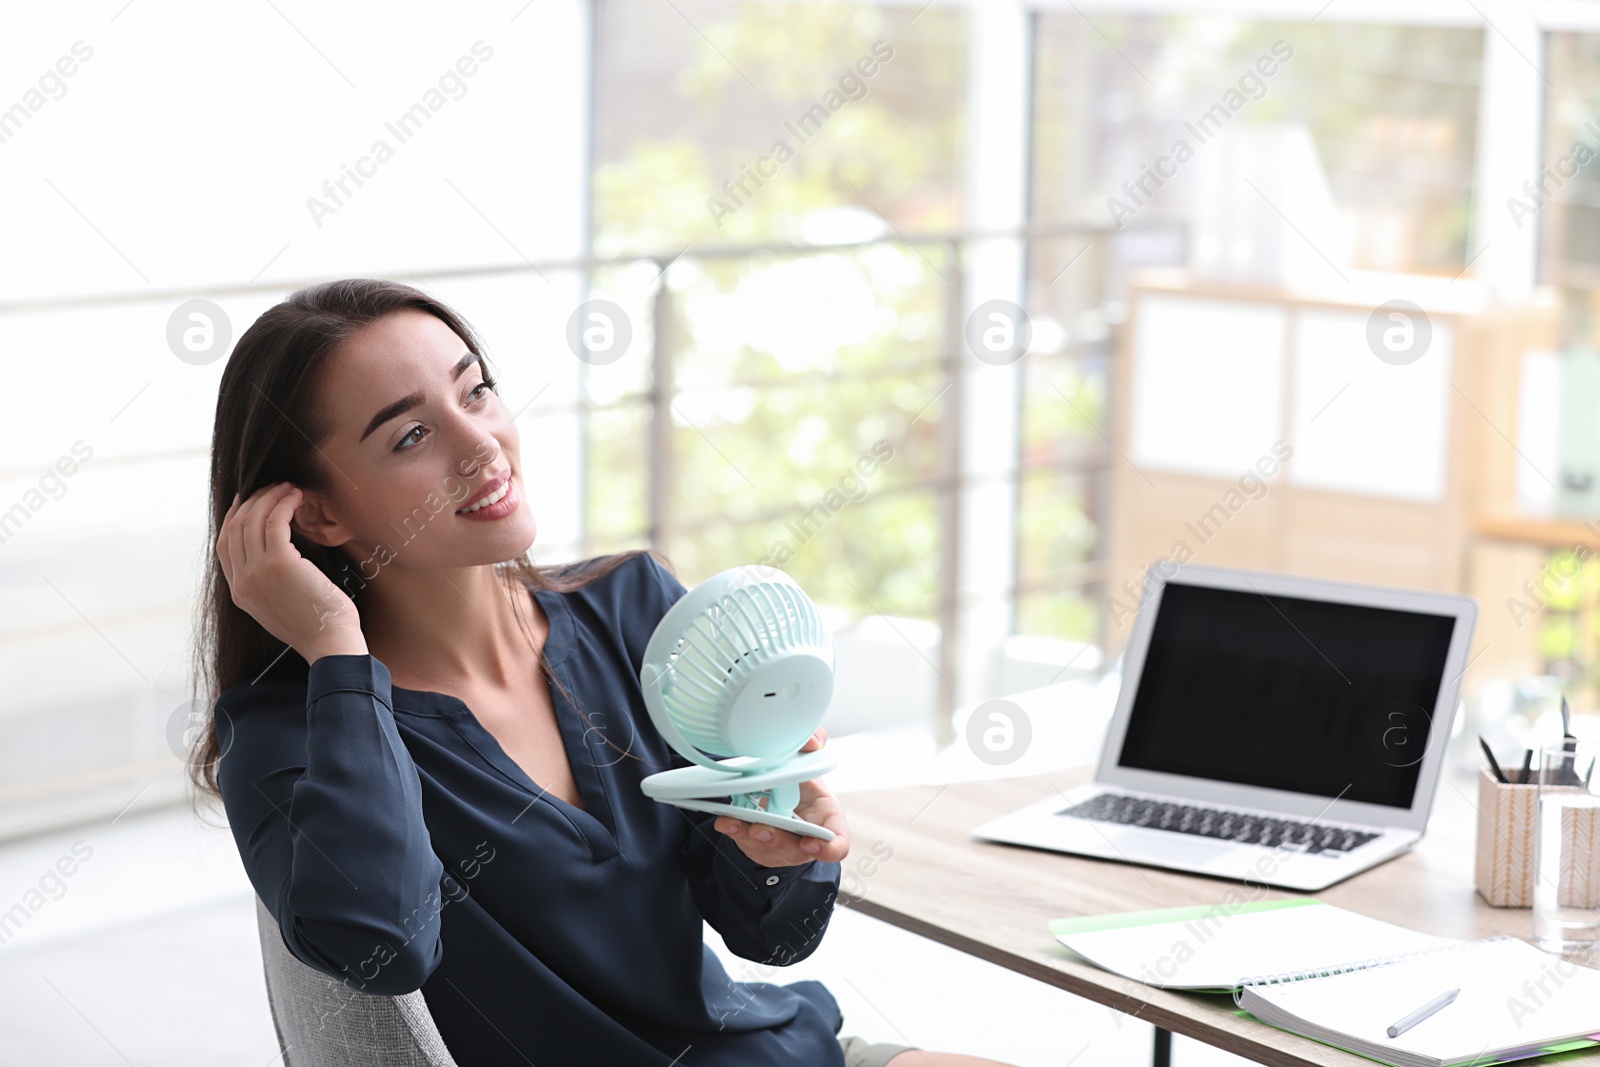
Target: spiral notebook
x=1516, y=1001
x=1213, y=947
x=1342, y=978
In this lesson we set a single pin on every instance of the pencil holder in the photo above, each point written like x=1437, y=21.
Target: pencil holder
x=1506, y=820
x=1579, y=885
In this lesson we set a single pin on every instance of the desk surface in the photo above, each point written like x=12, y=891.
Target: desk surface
x=993, y=901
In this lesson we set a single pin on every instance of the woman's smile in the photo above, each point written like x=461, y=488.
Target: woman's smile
x=499, y=503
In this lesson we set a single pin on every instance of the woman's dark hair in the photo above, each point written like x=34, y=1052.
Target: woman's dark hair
x=267, y=429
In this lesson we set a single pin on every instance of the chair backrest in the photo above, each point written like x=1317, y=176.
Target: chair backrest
x=322, y=1022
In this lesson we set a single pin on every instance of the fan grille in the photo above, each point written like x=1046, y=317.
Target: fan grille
x=728, y=641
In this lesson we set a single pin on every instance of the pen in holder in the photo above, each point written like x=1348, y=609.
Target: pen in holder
x=1507, y=813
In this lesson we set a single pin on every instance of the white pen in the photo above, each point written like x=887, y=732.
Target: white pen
x=1423, y=1012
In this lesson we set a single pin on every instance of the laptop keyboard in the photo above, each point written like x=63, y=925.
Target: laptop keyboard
x=1237, y=826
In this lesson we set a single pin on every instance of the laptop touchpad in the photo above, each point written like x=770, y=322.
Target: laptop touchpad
x=1168, y=847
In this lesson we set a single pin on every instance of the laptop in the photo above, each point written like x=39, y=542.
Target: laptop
x=1282, y=730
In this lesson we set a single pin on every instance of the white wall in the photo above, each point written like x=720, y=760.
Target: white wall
x=179, y=156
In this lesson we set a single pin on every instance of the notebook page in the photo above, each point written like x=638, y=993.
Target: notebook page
x=1220, y=949
x=1502, y=1006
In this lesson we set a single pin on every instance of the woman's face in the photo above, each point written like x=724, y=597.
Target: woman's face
x=417, y=436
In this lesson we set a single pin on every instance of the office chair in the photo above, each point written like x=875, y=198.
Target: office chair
x=321, y=1022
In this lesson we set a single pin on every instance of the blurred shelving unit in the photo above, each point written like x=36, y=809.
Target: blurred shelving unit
x=1266, y=427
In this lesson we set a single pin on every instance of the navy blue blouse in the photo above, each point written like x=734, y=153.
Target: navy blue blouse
x=399, y=848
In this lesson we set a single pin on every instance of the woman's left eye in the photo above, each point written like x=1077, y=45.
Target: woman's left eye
x=401, y=446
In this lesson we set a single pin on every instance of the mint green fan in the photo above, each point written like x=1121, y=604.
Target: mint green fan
x=737, y=676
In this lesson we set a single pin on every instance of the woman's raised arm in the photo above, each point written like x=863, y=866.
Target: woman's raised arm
x=321, y=793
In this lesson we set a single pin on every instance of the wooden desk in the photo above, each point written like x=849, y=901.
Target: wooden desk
x=993, y=901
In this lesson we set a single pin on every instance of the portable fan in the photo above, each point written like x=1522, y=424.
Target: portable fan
x=737, y=676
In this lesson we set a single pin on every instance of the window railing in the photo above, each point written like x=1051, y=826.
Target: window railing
x=664, y=524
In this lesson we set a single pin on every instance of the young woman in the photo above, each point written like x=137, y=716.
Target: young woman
x=429, y=749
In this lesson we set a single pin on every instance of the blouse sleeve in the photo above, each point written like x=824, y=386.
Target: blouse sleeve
x=770, y=915
x=325, y=806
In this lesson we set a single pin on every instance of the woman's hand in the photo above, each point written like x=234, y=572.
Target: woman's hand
x=772, y=847
x=282, y=590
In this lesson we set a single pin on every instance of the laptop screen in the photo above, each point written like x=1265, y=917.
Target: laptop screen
x=1285, y=693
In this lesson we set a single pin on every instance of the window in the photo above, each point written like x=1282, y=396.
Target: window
x=805, y=426
x=1363, y=136
x=1566, y=196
